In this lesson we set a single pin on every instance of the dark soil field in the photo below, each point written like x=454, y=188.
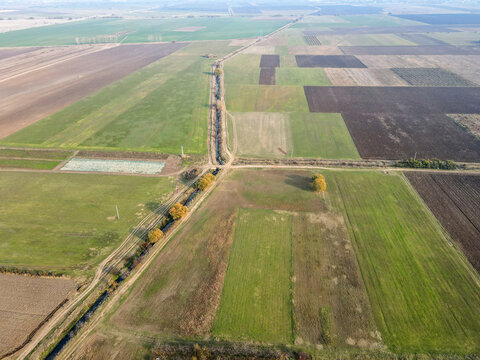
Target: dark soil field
x=267, y=76
x=431, y=77
x=455, y=201
x=400, y=100
x=270, y=61
x=399, y=136
x=446, y=19
x=329, y=61
x=33, y=95
x=381, y=30
x=6, y=53
x=422, y=39
x=408, y=50
x=312, y=40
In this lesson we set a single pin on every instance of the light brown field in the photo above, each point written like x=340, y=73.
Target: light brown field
x=263, y=134
x=261, y=50
x=19, y=24
x=241, y=42
x=471, y=122
x=467, y=66
x=42, y=89
x=25, y=302
x=364, y=77
x=395, y=61
x=314, y=50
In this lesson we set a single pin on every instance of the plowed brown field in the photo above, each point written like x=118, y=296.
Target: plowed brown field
x=30, y=96
x=455, y=201
x=26, y=302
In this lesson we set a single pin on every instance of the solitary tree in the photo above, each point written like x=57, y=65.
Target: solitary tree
x=155, y=235
x=205, y=181
x=218, y=72
x=178, y=211
x=318, y=183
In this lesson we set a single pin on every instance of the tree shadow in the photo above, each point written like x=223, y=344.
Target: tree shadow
x=153, y=206
x=300, y=182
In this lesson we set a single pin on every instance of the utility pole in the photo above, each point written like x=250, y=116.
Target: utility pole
x=182, y=152
x=118, y=215
x=415, y=157
x=291, y=155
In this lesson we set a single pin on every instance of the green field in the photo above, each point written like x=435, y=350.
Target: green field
x=28, y=164
x=142, y=30
x=425, y=296
x=321, y=135
x=311, y=22
x=66, y=222
x=308, y=135
x=158, y=108
x=35, y=154
x=256, y=300
x=265, y=98
x=242, y=69
x=301, y=76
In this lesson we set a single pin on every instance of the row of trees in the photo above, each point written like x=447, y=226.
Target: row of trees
x=178, y=210
x=427, y=164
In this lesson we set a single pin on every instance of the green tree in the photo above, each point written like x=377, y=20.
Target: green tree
x=155, y=235
x=205, y=181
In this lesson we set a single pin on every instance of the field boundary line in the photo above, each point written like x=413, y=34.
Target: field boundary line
x=131, y=280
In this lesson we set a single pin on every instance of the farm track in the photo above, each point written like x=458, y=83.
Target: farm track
x=128, y=283
x=151, y=219
x=118, y=255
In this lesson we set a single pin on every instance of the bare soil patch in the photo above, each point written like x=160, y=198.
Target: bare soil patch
x=470, y=122
x=455, y=201
x=270, y=61
x=28, y=98
x=26, y=302
x=422, y=39
x=400, y=100
x=267, y=76
x=329, y=61
x=400, y=136
x=407, y=50
x=431, y=77
x=363, y=77
x=190, y=28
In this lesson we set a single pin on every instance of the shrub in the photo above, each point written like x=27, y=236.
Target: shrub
x=155, y=235
x=218, y=72
x=205, y=181
x=318, y=183
x=178, y=211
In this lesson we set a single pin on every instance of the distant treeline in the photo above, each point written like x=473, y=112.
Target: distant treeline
x=427, y=164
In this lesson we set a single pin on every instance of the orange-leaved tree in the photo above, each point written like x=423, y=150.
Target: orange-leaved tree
x=178, y=211
x=319, y=183
x=155, y=235
x=205, y=181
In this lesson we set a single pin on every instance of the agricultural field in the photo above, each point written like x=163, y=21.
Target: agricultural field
x=300, y=234
x=454, y=200
x=119, y=116
x=25, y=303
x=431, y=77
x=33, y=94
x=142, y=30
x=470, y=122
x=70, y=219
